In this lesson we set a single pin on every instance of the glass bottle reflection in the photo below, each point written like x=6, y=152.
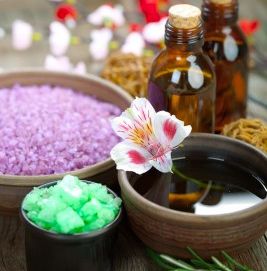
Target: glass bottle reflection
x=226, y=45
x=182, y=79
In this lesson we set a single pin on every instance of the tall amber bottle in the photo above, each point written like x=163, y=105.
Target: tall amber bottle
x=226, y=45
x=182, y=79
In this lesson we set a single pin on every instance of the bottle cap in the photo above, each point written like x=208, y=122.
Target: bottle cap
x=221, y=2
x=184, y=16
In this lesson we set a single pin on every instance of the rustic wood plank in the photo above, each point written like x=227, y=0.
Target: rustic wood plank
x=11, y=245
x=129, y=252
x=256, y=257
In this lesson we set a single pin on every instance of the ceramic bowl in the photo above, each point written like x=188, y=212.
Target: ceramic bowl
x=169, y=231
x=46, y=250
x=13, y=188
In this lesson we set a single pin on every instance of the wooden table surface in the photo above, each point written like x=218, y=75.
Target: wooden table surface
x=129, y=253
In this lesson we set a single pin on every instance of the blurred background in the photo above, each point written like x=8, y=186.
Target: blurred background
x=87, y=35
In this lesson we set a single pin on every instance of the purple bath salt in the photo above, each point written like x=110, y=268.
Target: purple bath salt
x=51, y=129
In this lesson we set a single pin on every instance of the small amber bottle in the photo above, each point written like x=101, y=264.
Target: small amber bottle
x=226, y=45
x=182, y=79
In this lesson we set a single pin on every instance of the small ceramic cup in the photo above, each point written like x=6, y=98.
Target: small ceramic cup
x=46, y=250
x=171, y=232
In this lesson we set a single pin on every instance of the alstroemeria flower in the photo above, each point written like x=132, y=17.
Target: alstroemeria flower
x=148, y=138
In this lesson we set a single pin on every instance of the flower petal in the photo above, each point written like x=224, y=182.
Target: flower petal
x=140, y=110
x=169, y=130
x=163, y=163
x=135, y=123
x=131, y=157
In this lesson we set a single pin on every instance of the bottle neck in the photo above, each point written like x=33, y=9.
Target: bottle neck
x=184, y=39
x=219, y=15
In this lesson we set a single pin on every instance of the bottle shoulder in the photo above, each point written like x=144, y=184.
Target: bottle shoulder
x=184, y=73
x=168, y=60
x=226, y=44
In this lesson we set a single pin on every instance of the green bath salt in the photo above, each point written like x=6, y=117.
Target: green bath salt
x=72, y=206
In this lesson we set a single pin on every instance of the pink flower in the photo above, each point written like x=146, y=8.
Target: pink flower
x=62, y=63
x=154, y=32
x=59, y=38
x=148, y=138
x=107, y=13
x=21, y=35
x=99, y=47
x=134, y=43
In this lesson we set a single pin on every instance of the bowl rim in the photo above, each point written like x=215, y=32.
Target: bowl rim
x=30, y=180
x=164, y=213
x=71, y=237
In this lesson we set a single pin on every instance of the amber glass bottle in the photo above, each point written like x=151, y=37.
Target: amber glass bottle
x=226, y=45
x=182, y=79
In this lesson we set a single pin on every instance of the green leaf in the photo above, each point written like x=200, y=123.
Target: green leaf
x=178, y=263
x=220, y=264
x=235, y=263
x=157, y=259
x=194, y=254
x=199, y=264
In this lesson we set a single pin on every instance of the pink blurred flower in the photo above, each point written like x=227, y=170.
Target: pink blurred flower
x=154, y=32
x=59, y=38
x=148, y=138
x=22, y=33
x=62, y=63
x=107, y=13
x=99, y=46
x=134, y=43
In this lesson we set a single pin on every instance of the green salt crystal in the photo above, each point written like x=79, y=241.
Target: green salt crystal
x=103, y=196
x=70, y=192
x=93, y=187
x=85, y=190
x=95, y=225
x=47, y=217
x=95, y=204
x=117, y=202
x=88, y=212
x=32, y=215
x=114, y=205
x=72, y=206
x=107, y=215
x=42, y=225
x=32, y=199
x=55, y=228
x=55, y=204
x=69, y=221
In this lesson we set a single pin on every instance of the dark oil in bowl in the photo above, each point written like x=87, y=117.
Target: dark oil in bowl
x=204, y=186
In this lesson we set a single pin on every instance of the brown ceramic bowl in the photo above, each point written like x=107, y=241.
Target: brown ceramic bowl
x=14, y=188
x=170, y=231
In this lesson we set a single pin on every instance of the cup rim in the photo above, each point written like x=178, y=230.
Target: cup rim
x=70, y=237
x=147, y=206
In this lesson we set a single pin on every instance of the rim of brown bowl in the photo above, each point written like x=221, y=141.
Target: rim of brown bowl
x=186, y=219
x=38, y=76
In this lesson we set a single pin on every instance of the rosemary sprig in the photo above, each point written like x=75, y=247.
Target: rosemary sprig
x=197, y=263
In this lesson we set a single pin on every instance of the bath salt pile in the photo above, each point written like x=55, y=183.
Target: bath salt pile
x=71, y=206
x=50, y=129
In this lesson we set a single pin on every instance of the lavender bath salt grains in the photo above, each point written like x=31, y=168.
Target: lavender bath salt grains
x=47, y=130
